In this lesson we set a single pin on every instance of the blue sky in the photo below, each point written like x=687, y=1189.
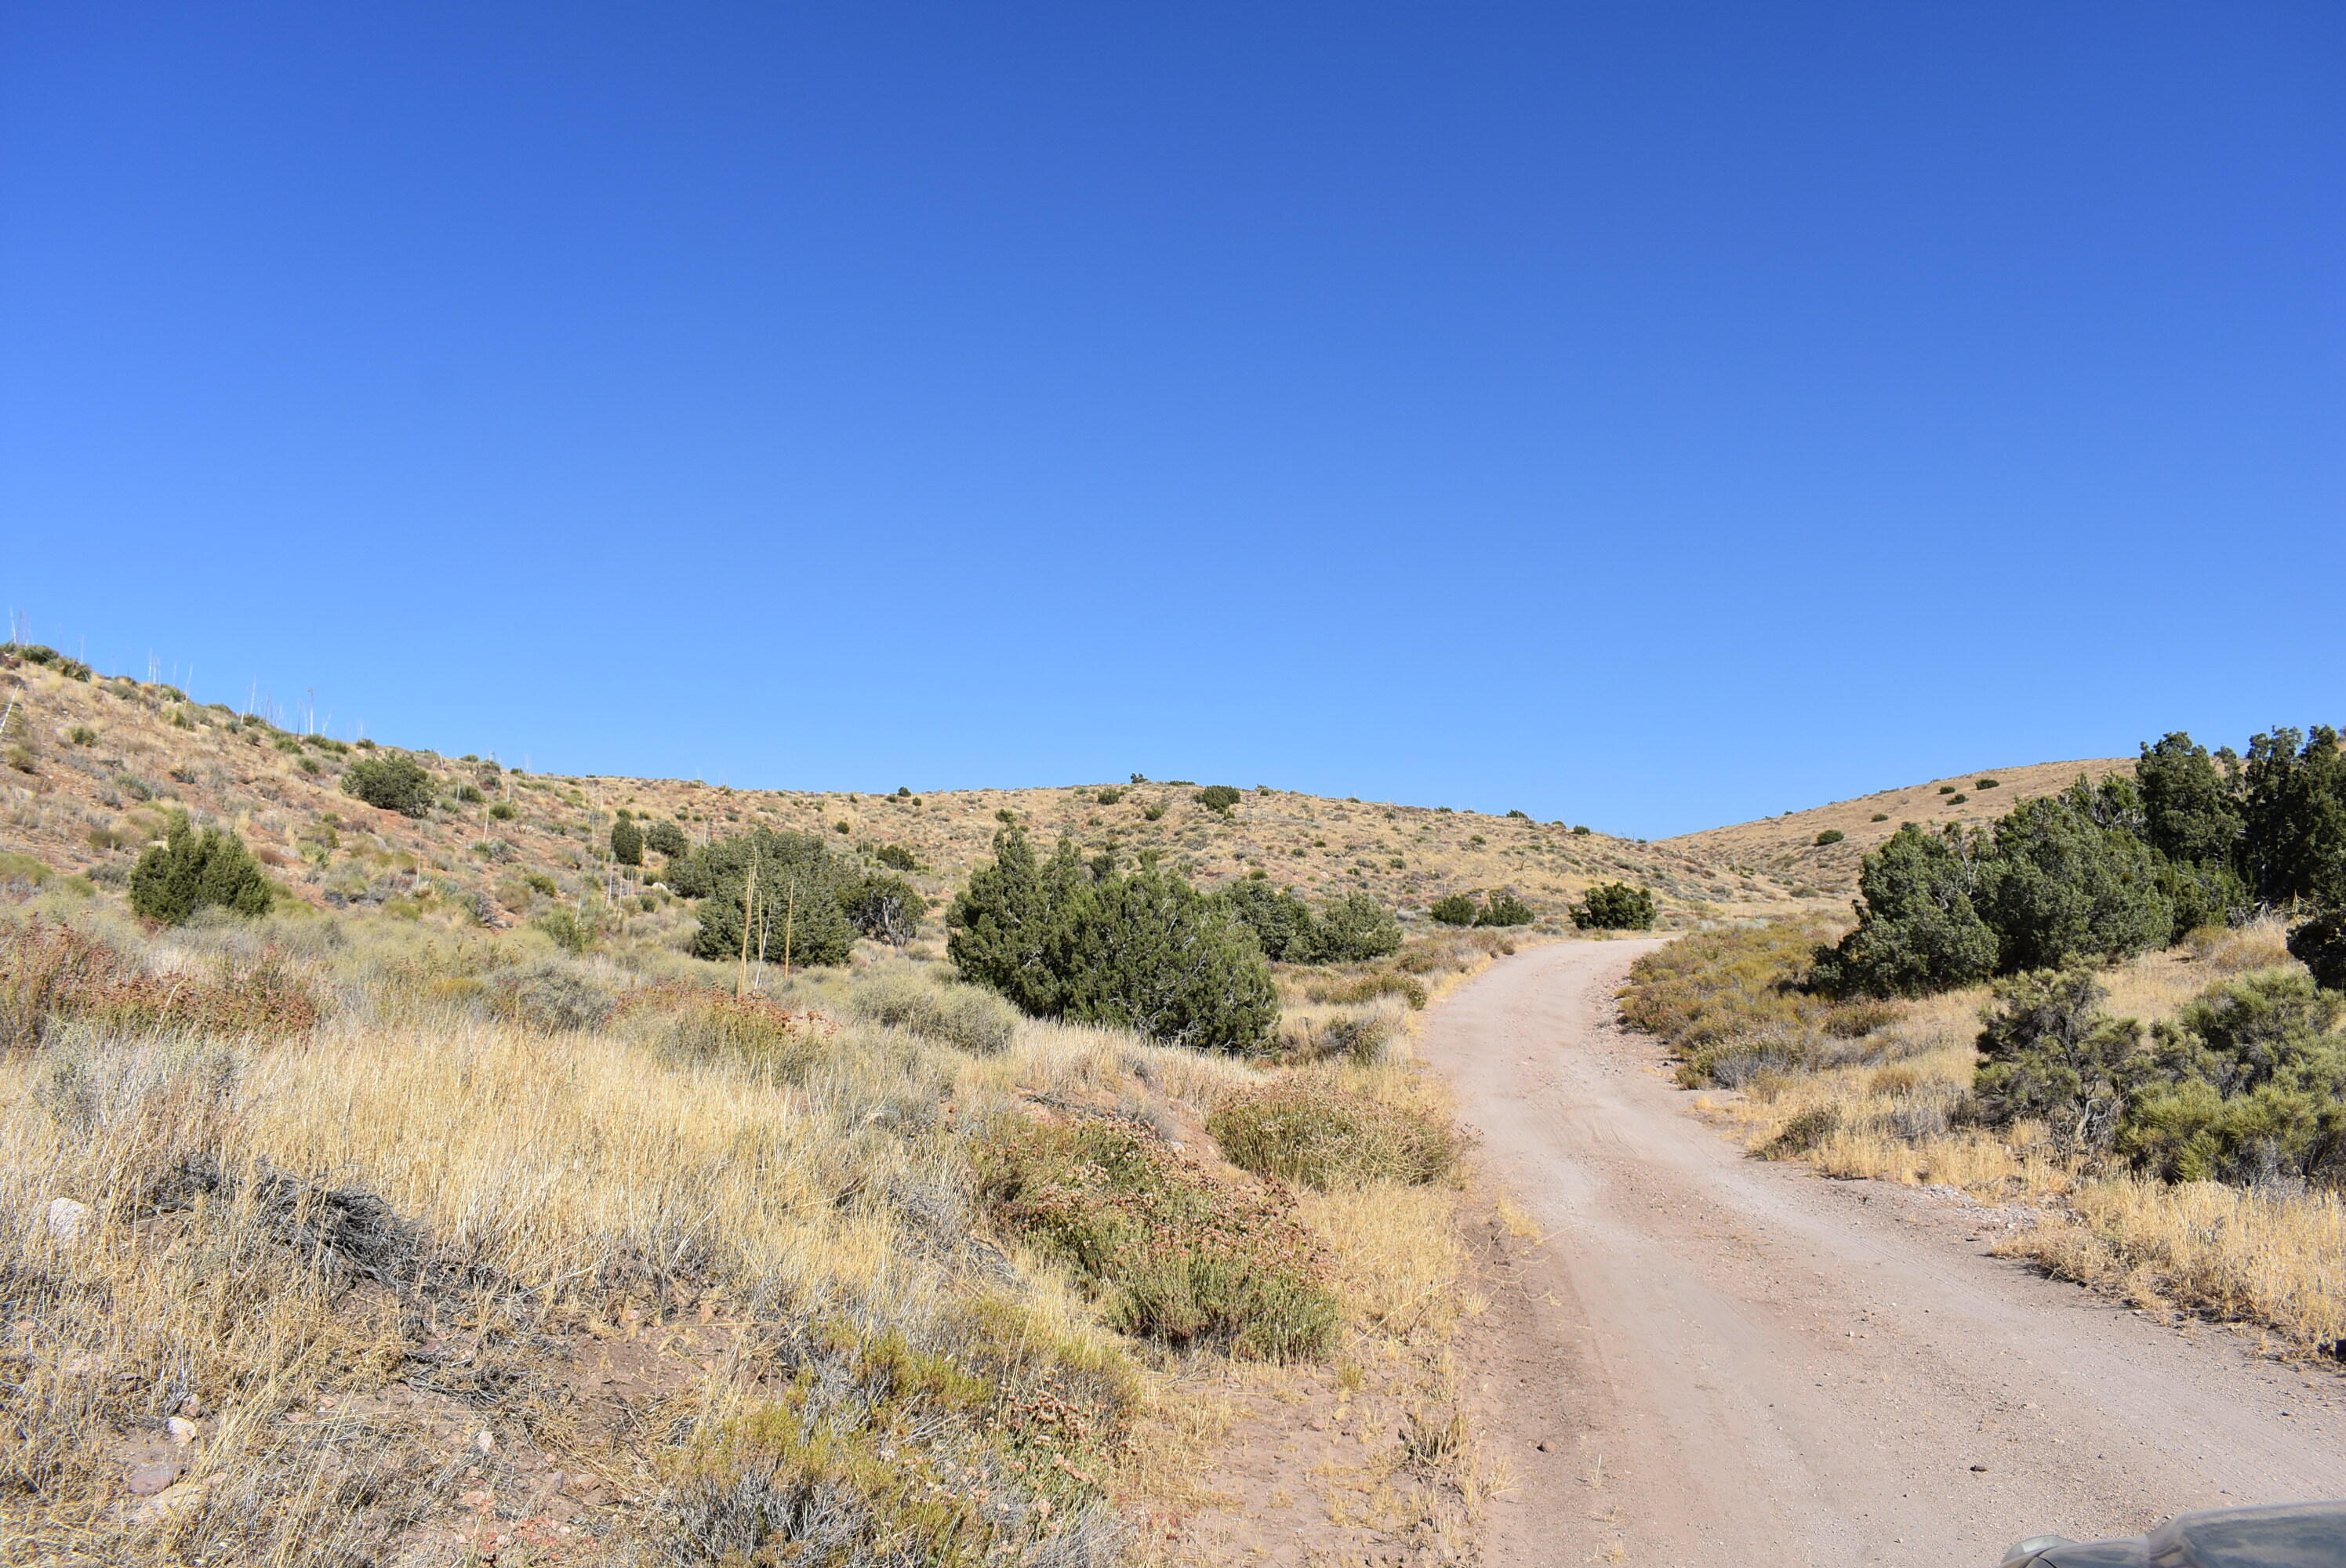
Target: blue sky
x=1652, y=415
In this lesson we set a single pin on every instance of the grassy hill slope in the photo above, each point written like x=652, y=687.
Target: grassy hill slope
x=1784, y=850
x=96, y=766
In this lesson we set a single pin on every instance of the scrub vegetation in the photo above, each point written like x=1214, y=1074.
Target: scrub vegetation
x=542, y=1207
x=98, y=766
x=2099, y=1012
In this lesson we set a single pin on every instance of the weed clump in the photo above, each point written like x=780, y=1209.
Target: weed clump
x=1173, y=1254
x=966, y=1017
x=713, y=1025
x=1320, y=1135
x=52, y=975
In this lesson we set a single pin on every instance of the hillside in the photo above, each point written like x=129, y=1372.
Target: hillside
x=87, y=805
x=1784, y=850
x=608, y=1254
x=96, y=766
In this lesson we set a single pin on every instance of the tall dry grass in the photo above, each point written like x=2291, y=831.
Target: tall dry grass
x=437, y=1194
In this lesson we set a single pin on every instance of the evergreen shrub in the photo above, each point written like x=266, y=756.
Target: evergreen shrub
x=389, y=783
x=1615, y=906
x=192, y=870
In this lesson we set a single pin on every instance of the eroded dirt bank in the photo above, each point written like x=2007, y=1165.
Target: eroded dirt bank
x=1735, y=1362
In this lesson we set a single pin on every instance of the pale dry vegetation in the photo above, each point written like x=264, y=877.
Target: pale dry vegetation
x=1889, y=1103
x=473, y=1247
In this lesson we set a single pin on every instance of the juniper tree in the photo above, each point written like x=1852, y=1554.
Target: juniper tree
x=1918, y=929
x=2059, y=885
x=792, y=914
x=1614, y=906
x=192, y=870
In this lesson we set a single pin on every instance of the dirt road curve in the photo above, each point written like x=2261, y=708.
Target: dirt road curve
x=1738, y=1362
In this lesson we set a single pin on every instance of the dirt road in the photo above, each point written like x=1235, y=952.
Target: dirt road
x=1738, y=1362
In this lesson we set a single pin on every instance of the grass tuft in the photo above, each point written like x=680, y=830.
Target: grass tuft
x=1319, y=1134
x=1173, y=1254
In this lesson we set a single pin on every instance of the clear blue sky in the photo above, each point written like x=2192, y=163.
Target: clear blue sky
x=1647, y=415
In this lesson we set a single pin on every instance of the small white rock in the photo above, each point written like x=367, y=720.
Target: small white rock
x=486, y=1441
x=182, y=1430
x=67, y=1219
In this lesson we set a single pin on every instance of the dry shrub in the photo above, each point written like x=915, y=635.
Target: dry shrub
x=966, y=1017
x=1898, y=1078
x=1715, y=985
x=1356, y=988
x=1451, y=952
x=825, y=1473
x=2237, y=950
x=53, y=975
x=1856, y=1020
x=1732, y=1002
x=1364, y=1036
x=185, y=1280
x=491, y=1210
x=703, y=1023
x=553, y=997
x=1804, y=1134
x=1174, y=1253
x=1319, y=1134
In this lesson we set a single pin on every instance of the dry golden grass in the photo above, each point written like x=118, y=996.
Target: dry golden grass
x=533, y=1203
x=2271, y=1257
x=1399, y=1254
x=2278, y=1260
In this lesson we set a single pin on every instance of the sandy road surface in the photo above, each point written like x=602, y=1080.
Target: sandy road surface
x=1738, y=1362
